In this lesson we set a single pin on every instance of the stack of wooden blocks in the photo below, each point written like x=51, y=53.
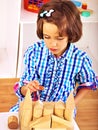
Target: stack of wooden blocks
x=46, y=115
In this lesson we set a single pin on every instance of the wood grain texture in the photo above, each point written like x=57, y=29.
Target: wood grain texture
x=87, y=110
x=7, y=95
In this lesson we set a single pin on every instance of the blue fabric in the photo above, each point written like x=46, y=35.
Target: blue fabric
x=57, y=75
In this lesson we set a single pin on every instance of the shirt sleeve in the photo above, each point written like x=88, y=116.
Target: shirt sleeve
x=86, y=77
x=29, y=71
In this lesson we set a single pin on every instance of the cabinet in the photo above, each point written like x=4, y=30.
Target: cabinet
x=88, y=42
x=9, y=30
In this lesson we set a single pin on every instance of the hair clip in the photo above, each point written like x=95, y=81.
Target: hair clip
x=43, y=13
x=46, y=13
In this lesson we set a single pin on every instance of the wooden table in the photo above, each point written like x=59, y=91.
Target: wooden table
x=4, y=121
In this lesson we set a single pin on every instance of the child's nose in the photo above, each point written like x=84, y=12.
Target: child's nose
x=53, y=42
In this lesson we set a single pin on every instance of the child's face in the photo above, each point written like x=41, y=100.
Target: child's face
x=55, y=43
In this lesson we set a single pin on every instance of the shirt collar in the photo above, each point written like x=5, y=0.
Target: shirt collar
x=68, y=53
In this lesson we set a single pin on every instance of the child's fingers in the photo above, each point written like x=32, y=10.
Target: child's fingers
x=32, y=89
x=41, y=87
x=38, y=87
x=36, y=82
x=34, y=86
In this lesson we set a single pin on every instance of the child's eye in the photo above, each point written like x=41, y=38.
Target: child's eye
x=46, y=37
x=60, y=38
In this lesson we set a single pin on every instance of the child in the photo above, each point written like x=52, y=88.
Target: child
x=55, y=62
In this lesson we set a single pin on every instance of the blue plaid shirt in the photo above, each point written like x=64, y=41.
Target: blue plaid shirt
x=57, y=75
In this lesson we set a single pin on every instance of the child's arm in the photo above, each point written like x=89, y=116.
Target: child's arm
x=80, y=95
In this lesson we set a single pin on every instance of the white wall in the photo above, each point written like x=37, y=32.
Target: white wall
x=89, y=42
x=9, y=31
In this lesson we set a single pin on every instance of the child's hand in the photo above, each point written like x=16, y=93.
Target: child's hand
x=34, y=86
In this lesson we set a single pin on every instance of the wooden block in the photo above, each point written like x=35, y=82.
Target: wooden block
x=25, y=119
x=42, y=122
x=38, y=110
x=27, y=101
x=58, y=122
x=12, y=122
x=70, y=106
x=33, y=103
x=69, y=114
x=59, y=109
x=50, y=129
x=25, y=112
x=48, y=108
x=20, y=111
